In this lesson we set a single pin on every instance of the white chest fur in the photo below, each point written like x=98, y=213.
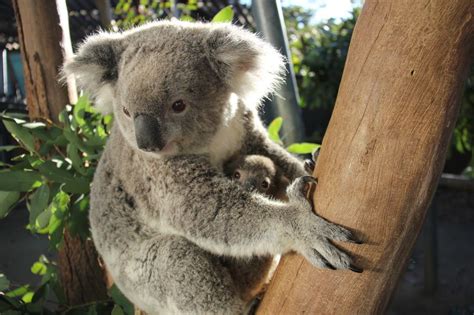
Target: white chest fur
x=230, y=135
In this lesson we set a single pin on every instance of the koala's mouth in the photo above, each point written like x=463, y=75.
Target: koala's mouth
x=168, y=149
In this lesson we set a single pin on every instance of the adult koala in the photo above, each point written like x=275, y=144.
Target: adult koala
x=185, y=98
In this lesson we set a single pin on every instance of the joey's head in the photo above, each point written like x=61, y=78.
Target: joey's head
x=253, y=172
x=172, y=85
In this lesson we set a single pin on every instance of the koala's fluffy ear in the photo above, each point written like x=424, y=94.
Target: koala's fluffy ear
x=251, y=67
x=95, y=67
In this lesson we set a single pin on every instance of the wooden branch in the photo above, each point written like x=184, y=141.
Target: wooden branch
x=384, y=150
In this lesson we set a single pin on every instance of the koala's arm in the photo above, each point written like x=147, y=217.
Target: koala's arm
x=220, y=216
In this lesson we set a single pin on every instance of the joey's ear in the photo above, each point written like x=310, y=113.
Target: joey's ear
x=251, y=67
x=95, y=67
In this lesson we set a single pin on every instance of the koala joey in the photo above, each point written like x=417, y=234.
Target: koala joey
x=185, y=99
x=257, y=173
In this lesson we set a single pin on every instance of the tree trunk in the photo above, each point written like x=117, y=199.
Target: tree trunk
x=41, y=39
x=43, y=46
x=383, y=153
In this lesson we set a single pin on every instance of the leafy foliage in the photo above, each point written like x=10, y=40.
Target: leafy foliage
x=224, y=16
x=51, y=173
x=273, y=131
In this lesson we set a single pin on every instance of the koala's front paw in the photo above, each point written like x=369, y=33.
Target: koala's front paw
x=310, y=164
x=313, y=234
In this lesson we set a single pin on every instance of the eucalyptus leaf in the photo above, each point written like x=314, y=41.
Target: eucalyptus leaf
x=41, y=293
x=121, y=300
x=302, y=148
x=20, y=291
x=42, y=221
x=27, y=297
x=73, y=155
x=18, y=180
x=39, y=268
x=117, y=310
x=38, y=202
x=274, y=130
x=7, y=148
x=226, y=15
x=7, y=200
x=54, y=173
x=22, y=134
x=4, y=282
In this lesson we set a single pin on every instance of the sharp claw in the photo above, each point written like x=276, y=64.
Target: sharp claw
x=355, y=269
x=329, y=266
x=315, y=153
x=309, y=179
x=309, y=165
x=355, y=240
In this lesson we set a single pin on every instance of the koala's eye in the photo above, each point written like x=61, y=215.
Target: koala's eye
x=179, y=106
x=125, y=111
x=237, y=175
x=265, y=184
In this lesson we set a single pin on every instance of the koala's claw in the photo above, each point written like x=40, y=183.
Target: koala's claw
x=309, y=179
x=355, y=269
x=309, y=166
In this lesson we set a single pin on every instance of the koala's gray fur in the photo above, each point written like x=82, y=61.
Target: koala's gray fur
x=161, y=217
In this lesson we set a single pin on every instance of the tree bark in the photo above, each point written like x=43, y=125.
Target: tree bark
x=383, y=152
x=44, y=44
x=42, y=48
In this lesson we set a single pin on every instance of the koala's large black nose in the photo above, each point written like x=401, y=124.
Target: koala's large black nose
x=148, y=133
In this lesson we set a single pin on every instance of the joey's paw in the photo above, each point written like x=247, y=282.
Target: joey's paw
x=310, y=164
x=298, y=190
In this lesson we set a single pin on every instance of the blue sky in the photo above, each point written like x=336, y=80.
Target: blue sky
x=324, y=9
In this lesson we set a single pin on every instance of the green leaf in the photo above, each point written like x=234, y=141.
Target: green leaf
x=38, y=202
x=226, y=15
x=121, y=300
x=8, y=148
x=21, y=134
x=274, y=130
x=54, y=173
x=59, y=208
x=39, y=268
x=18, y=291
x=7, y=304
x=4, y=283
x=73, y=155
x=27, y=297
x=302, y=148
x=78, y=224
x=79, y=185
x=79, y=109
x=117, y=310
x=7, y=200
x=42, y=221
x=18, y=180
x=41, y=293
